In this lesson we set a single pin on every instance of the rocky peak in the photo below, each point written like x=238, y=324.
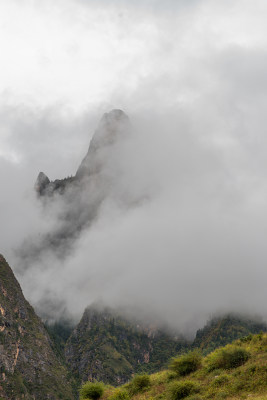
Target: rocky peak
x=41, y=183
x=112, y=127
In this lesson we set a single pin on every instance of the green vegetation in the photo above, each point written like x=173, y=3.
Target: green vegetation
x=180, y=390
x=92, y=390
x=120, y=347
x=120, y=394
x=186, y=364
x=59, y=332
x=139, y=383
x=38, y=373
x=237, y=371
x=111, y=349
x=224, y=330
x=228, y=357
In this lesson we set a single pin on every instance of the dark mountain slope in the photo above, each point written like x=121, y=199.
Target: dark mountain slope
x=105, y=346
x=223, y=330
x=29, y=368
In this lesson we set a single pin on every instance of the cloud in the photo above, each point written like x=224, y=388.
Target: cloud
x=181, y=231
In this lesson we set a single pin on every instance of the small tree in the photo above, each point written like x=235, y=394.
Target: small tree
x=180, y=390
x=92, y=390
x=139, y=383
x=228, y=357
x=120, y=394
x=186, y=363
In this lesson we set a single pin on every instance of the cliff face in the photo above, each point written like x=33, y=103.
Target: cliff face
x=29, y=369
x=105, y=346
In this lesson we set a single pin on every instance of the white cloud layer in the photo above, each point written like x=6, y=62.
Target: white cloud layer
x=192, y=77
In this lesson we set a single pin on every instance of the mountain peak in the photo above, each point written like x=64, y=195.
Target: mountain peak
x=111, y=127
x=41, y=182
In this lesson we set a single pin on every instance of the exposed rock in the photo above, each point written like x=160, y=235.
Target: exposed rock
x=41, y=183
x=112, y=127
x=29, y=368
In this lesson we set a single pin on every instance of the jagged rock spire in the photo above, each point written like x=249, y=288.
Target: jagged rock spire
x=41, y=182
x=111, y=127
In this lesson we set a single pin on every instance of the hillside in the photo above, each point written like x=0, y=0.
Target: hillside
x=105, y=346
x=220, y=331
x=236, y=371
x=29, y=367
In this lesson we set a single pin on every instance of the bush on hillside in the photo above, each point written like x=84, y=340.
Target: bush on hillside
x=139, y=383
x=220, y=380
x=186, y=363
x=120, y=394
x=180, y=390
x=227, y=358
x=92, y=390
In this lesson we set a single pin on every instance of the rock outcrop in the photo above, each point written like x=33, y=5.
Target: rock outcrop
x=29, y=368
x=41, y=183
x=112, y=127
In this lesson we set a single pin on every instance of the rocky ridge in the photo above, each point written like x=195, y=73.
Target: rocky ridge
x=112, y=127
x=106, y=346
x=29, y=368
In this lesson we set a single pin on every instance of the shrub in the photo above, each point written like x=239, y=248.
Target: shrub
x=120, y=394
x=226, y=358
x=186, y=364
x=92, y=390
x=139, y=383
x=180, y=390
x=222, y=395
x=170, y=376
x=247, y=338
x=220, y=380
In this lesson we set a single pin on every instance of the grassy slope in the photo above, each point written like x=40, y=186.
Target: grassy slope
x=247, y=381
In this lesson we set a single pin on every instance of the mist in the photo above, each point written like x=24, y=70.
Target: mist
x=179, y=233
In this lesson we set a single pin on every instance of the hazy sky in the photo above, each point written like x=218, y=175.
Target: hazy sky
x=192, y=76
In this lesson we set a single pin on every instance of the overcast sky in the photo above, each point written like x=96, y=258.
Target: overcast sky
x=192, y=76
